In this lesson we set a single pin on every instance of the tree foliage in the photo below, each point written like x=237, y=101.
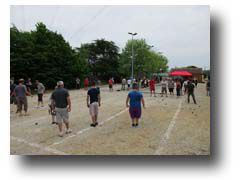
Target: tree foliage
x=146, y=61
x=102, y=57
x=45, y=55
x=41, y=54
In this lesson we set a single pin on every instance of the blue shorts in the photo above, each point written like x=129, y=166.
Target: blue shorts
x=135, y=112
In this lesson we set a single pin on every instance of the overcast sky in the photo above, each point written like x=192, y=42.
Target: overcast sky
x=182, y=33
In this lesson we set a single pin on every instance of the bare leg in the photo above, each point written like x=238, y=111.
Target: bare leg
x=96, y=117
x=60, y=127
x=133, y=122
x=93, y=119
x=67, y=125
x=53, y=119
x=137, y=121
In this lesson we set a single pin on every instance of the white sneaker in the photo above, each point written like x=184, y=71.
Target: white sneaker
x=68, y=131
x=60, y=134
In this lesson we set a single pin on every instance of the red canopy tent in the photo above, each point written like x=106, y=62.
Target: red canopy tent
x=180, y=73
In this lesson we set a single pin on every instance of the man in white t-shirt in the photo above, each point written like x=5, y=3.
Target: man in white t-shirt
x=123, y=84
x=129, y=83
x=164, y=87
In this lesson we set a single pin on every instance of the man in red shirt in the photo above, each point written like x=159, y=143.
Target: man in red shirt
x=110, y=83
x=152, y=87
x=86, y=82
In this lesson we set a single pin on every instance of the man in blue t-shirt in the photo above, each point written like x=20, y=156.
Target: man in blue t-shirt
x=135, y=98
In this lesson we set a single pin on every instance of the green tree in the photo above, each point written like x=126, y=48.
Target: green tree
x=41, y=54
x=80, y=63
x=103, y=58
x=21, y=53
x=146, y=61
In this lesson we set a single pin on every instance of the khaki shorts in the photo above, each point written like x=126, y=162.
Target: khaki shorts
x=22, y=102
x=62, y=115
x=93, y=109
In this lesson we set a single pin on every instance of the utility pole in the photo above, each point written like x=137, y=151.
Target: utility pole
x=132, y=34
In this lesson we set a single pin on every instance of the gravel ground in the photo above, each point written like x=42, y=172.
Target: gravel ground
x=169, y=126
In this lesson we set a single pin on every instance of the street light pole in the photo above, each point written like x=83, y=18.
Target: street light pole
x=132, y=34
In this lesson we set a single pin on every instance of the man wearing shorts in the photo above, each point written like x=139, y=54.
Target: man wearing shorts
x=61, y=104
x=164, y=87
x=21, y=93
x=40, y=91
x=152, y=87
x=124, y=81
x=135, y=98
x=171, y=86
x=129, y=81
x=93, y=101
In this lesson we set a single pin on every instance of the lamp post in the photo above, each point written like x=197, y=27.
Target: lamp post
x=132, y=34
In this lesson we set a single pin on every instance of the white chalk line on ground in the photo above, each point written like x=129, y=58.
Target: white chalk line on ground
x=167, y=134
x=89, y=128
x=31, y=120
x=55, y=151
x=44, y=148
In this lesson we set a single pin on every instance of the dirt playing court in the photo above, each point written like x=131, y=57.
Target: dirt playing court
x=169, y=126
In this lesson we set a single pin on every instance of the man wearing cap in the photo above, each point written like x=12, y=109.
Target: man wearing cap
x=21, y=93
x=61, y=103
x=135, y=98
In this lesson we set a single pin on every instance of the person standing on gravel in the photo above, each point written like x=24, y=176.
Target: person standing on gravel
x=93, y=102
x=135, y=97
x=178, y=88
x=190, y=91
x=171, y=87
x=129, y=81
x=164, y=87
x=21, y=93
x=61, y=104
x=124, y=81
x=152, y=87
x=110, y=84
x=40, y=92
